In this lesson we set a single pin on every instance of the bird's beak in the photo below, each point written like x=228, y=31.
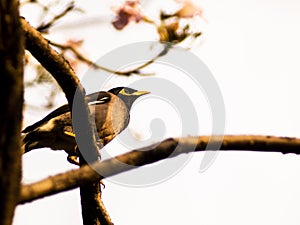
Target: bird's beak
x=139, y=93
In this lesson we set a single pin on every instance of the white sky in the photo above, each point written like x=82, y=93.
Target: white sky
x=252, y=49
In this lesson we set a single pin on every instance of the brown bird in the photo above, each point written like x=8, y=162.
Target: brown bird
x=110, y=110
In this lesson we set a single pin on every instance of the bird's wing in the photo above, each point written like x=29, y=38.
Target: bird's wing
x=59, y=111
x=92, y=99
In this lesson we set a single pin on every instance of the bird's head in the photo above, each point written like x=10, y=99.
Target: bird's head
x=128, y=95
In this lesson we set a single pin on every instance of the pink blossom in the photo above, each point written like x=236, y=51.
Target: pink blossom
x=130, y=11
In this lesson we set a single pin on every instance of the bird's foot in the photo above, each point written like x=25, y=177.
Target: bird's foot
x=73, y=159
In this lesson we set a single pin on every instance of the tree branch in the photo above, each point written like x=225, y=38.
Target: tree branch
x=11, y=98
x=150, y=154
x=60, y=69
x=57, y=66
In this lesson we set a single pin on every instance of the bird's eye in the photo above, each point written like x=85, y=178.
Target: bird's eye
x=125, y=92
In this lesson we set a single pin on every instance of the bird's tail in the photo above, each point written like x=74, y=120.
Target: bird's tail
x=29, y=141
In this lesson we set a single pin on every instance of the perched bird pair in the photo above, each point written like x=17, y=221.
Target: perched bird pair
x=110, y=110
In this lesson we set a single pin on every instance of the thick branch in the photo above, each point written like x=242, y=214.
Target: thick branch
x=82, y=124
x=74, y=178
x=11, y=98
x=58, y=67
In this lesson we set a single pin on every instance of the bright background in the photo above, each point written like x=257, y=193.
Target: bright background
x=252, y=48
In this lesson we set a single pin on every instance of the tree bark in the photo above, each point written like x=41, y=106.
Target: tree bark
x=11, y=99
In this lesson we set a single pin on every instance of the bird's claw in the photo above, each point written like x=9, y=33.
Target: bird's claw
x=73, y=159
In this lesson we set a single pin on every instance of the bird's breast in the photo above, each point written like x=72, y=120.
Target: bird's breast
x=110, y=118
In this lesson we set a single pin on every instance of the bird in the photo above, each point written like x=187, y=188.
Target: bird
x=110, y=109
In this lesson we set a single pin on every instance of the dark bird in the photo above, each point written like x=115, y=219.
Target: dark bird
x=110, y=110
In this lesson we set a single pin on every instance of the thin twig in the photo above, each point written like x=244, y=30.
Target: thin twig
x=136, y=70
x=43, y=28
